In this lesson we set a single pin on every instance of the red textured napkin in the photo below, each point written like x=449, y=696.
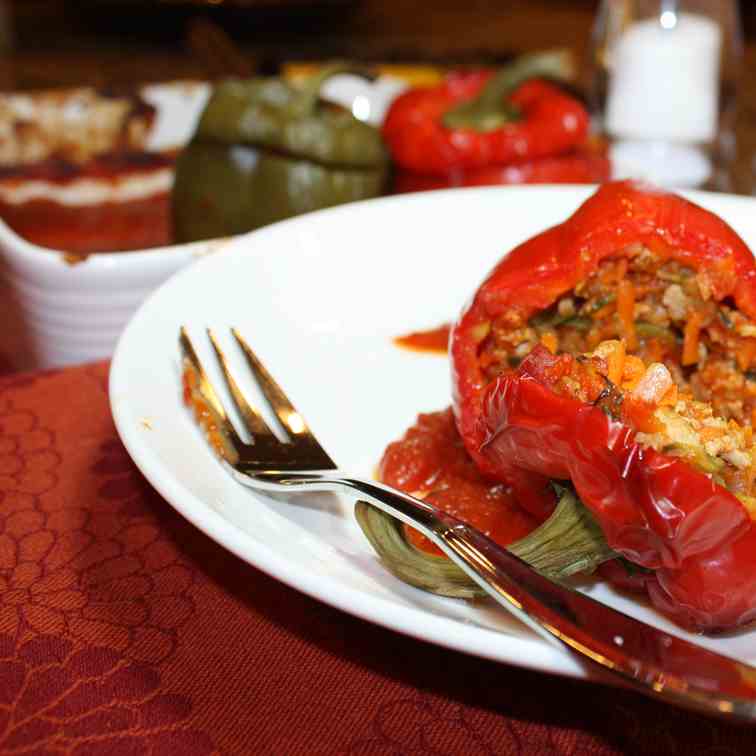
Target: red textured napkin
x=124, y=630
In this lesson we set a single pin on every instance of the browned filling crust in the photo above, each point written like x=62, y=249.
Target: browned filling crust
x=663, y=311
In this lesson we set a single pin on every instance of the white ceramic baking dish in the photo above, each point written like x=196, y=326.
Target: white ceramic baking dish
x=55, y=312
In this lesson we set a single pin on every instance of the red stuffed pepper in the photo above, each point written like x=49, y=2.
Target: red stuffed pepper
x=476, y=120
x=674, y=287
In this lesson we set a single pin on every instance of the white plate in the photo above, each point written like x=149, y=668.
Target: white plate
x=320, y=298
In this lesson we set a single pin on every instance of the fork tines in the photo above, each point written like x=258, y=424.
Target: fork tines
x=300, y=447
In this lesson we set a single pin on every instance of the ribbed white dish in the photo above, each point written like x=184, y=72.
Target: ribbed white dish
x=57, y=313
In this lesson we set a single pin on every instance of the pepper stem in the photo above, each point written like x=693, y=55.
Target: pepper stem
x=491, y=109
x=309, y=90
x=435, y=574
x=569, y=542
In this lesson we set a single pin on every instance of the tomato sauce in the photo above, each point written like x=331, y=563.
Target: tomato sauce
x=430, y=461
x=204, y=414
x=140, y=222
x=105, y=227
x=434, y=340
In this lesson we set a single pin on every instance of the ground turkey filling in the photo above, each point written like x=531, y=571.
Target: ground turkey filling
x=666, y=418
x=664, y=313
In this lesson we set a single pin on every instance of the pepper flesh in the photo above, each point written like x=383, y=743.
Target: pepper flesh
x=536, y=273
x=552, y=122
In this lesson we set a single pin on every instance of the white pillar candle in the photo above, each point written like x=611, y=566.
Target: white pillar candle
x=664, y=83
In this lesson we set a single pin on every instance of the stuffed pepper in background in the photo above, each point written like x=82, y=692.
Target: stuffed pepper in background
x=485, y=127
x=615, y=351
x=265, y=150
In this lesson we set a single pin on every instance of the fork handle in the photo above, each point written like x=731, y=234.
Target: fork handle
x=661, y=665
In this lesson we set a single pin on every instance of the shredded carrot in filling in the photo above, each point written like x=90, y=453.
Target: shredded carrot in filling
x=549, y=340
x=632, y=371
x=691, y=338
x=615, y=360
x=746, y=353
x=626, y=312
x=751, y=474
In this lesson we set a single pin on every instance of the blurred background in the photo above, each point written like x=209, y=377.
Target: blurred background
x=155, y=174
x=52, y=43
x=116, y=40
x=111, y=43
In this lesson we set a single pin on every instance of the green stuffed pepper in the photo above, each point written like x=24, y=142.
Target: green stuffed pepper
x=265, y=150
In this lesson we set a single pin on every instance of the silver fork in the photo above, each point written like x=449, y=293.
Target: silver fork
x=654, y=662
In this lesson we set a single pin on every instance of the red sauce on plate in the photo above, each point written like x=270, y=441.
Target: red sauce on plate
x=433, y=340
x=430, y=461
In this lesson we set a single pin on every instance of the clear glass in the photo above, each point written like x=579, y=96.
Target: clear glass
x=663, y=88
